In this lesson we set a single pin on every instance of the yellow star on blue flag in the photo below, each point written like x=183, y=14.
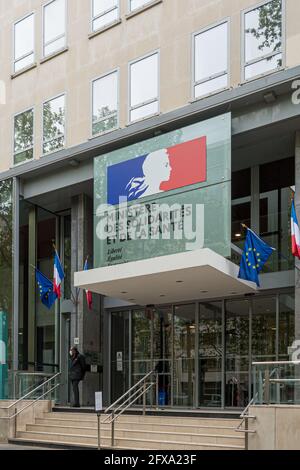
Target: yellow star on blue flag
x=45, y=287
x=256, y=253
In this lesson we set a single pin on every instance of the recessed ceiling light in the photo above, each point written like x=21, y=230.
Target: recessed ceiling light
x=204, y=291
x=179, y=282
x=162, y=295
x=124, y=292
x=237, y=235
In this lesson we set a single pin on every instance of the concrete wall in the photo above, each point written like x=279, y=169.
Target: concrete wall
x=168, y=26
x=277, y=428
x=28, y=416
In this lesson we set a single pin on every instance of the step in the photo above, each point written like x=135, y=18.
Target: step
x=122, y=443
x=148, y=419
x=194, y=428
x=143, y=434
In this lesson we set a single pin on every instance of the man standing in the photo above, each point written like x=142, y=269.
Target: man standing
x=77, y=372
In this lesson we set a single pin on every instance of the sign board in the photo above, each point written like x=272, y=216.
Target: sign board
x=98, y=401
x=76, y=341
x=165, y=195
x=94, y=368
x=119, y=361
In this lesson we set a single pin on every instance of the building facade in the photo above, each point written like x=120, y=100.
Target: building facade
x=90, y=89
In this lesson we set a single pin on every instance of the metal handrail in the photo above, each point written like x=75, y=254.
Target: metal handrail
x=113, y=417
x=33, y=402
x=277, y=363
x=32, y=391
x=137, y=391
x=129, y=391
x=244, y=415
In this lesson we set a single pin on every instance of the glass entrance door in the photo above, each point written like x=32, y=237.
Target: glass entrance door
x=184, y=355
x=210, y=354
x=119, y=354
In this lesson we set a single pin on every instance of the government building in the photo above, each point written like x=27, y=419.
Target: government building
x=143, y=136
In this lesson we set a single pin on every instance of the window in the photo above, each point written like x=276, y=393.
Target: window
x=105, y=103
x=144, y=87
x=135, y=4
x=211, y=60
x=263, y=39
x=24, y=43
x=54, y=27
x=23, y=137
x=104, y=12
x=54, y=124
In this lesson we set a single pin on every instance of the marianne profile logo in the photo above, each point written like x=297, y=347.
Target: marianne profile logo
x=156, y=172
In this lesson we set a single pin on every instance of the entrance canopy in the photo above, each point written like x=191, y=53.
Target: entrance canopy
x=199, y=274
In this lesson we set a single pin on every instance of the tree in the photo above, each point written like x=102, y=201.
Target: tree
x=53, y=128
x=6, y=236
x=23, y=137
x=269, y=28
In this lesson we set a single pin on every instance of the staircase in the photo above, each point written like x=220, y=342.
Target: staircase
x=136, y=432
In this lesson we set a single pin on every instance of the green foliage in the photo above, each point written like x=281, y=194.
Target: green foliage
x=105, y=124
x=6, y=236
x=53, y=128
x=23, y=137
x=269, y=29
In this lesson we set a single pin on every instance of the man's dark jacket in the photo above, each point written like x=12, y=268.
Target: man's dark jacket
x=77, y=368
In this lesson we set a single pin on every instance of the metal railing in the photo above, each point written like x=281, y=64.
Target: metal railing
x=266, y=374
x=276, y=382
x=129, y=398
x=45, y=387
x=24, y=382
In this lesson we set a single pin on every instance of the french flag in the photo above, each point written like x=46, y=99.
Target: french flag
x=159, y=171
x=58, y=275
x=295, y=232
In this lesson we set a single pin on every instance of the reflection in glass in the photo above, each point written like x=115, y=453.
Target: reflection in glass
x=24, y=43
x=67, y=257
x=286, y=325
x=162, y=352
x=263, y=39
x=211, y=60
x=6, y=273
x=45, y=319
x=23, y=137
x=119, y=354
x=210, y=354
x=54, y=124
x=237, y=353
x=54, y=26
x=141, y=343
x=264, y=329
x=276, y=179
x=240, y=210
x=105, y=103
x=144, y=86
x=104, y=13
x=184, y=355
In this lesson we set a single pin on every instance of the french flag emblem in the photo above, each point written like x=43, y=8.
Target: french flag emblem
x=159, y=171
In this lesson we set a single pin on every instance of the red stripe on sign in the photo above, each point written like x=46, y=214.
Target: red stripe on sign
x=188, y=163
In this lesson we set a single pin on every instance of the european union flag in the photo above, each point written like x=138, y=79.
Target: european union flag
x=45, y=286
x=256, y=253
